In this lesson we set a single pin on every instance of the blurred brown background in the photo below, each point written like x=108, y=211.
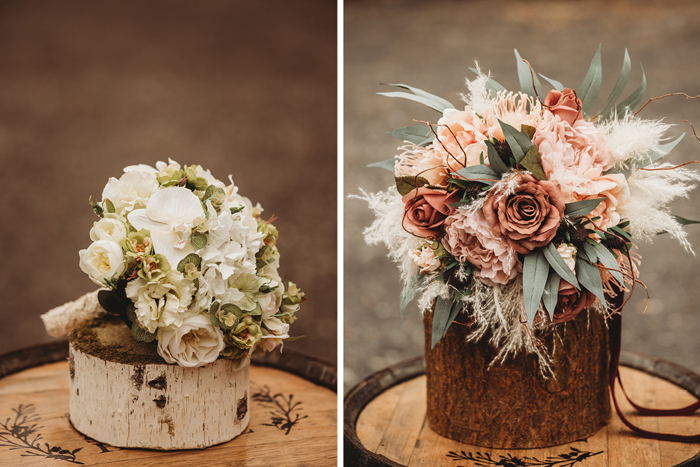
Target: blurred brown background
x=86, y=88
x=430, y=45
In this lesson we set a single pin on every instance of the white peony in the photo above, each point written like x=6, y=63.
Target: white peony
x=170, y=216
x=131, y=191
x=102, y=260
x=161, y=304
x=108, y=229
x=193, y=343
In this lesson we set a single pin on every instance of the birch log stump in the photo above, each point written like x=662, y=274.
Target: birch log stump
x=122, y=393
x=511, y=405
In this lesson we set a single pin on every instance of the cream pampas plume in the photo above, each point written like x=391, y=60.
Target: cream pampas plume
x=61, y=320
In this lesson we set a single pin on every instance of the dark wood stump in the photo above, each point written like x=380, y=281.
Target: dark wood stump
x=511, y=405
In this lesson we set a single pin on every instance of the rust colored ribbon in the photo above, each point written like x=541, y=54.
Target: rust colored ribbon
x=615, y=328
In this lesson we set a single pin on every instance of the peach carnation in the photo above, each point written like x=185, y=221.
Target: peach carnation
x=460, y=139
x=469, y=238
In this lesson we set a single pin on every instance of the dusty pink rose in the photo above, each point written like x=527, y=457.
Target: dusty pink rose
x=469, y=238
x=460, y=139
x=570, y=302
x=564, y=104
x=426, y=209
x=529, y=217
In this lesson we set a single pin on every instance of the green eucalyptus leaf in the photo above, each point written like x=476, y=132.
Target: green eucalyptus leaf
x=212, y=315
x=191, y=258
x=560, y=267
x=535, y=274
x=420, y=99
x=555, y=84
x=551, y=293
x=213, y=190
x=410, y=291
x=454, y=311
x=589, y=277
x=479, y=173
x=633, y=99
x=582, y=208
x=681, y=221
x=591, y=251
x=420, y=135
x=198, y=241
x=493, y=86
x=497, y=165
x=533, y=163
x=141, y=334
x=432, y=97
x=527, y=78
x=409, y=183
x=607, y=259
x=590, y=87
x=619, y=86
x=519, y=143
x=441, y=315
x=387, y=164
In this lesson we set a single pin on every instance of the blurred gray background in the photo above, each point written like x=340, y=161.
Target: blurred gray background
x=87, y=88
x=430, y=45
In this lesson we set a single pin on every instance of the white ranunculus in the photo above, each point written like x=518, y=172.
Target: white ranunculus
x=161, y=304
x=102, y=260
x=131, y=191
x=108, y=229
x=194, y=343
x=170, y=216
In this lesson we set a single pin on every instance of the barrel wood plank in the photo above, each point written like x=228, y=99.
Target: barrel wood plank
x=293, y=422
x=378, y=404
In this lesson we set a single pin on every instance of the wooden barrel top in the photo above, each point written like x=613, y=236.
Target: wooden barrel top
x=293, y=417
x=385, y=424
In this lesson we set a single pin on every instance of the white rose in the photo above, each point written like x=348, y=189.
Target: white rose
x=194, y=343
x=131, y=191
x=270, y=303
x=102, y=260
x=425, y=259
x=161, y=304
x=108, y=229
x=275, y=333
x=568, y=253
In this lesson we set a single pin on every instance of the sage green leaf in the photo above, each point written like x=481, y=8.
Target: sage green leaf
x=420, y=135
x=213, y=191
x=619, y=86
x=440, y=317
x=109, y=206
x=527, y=78
x=454, y=311
x=387, y=164
x=533, y=163
x=551, y=293
x=589, y=277
x=590, y=86
x=607, y=259
x=581, y=208
x=141, y=334
x=499, y=167
x=191, y=258
x=555, y=84
x=198, y=241
x=681, y=221
x=519, y=143
x=479, y=173
x=557, y=262
x=420, y=99
x=493, y=86
x=618, y=230
x=410, y=291
x=419, y=92
x=409, y=183
x=633, y=99
x=535, y=274
x=591, y=251
x=212, y=315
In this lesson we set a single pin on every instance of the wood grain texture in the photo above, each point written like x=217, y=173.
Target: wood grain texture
x=613, y=445
x=280, y=433
x=510, y=405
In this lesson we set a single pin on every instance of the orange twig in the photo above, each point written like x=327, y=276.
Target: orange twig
x=666, y=95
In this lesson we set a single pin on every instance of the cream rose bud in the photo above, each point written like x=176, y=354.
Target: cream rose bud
x=102, y=260
x=108, y=229
x=568, y=254
x=195, y=343
x=425, y=259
